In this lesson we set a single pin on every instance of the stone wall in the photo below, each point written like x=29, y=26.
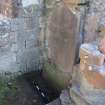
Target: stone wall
x=95, y=19
x=10, y=8
x=19, y=43
x=28, y=55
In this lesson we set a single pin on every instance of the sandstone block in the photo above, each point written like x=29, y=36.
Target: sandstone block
x=62, y=37
x=90, y=27
x=102, y=46
x=77, y=97
x=94, y=76
x=95, y=97
x=89, y=54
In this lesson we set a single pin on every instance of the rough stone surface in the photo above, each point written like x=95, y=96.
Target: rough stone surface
x=73, y=4
x=89, y=75
x=10, y=8
x=91, y=66
x=72, y=1
x=19, y=47
x=95, y=19
x=65, y=98
x=90, y=55
x=88, y=84
x=85, y=95
x=102, y=46
x=78, y=98
x=55, y=102
x=62, y=37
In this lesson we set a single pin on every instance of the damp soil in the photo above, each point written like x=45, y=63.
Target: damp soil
x=30, y=89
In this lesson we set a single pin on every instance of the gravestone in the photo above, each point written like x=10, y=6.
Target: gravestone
x=62, y=37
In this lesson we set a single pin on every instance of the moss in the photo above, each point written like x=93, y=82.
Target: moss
x=6, y=90
x=55, y=76
x=3, y=90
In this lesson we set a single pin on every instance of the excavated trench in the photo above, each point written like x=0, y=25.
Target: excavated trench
x=41, y=87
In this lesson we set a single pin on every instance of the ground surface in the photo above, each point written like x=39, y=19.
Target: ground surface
x=20, y=93
x=28, y=89
x=56, y=102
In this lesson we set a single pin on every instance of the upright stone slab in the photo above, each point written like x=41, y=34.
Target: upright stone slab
x=72, y=4
x=62, y=37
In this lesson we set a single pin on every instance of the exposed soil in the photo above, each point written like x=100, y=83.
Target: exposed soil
x=24, y=92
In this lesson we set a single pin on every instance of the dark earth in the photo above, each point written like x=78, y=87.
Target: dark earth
x=23, y=91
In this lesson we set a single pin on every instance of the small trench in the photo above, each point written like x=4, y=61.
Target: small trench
x=41, y=87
